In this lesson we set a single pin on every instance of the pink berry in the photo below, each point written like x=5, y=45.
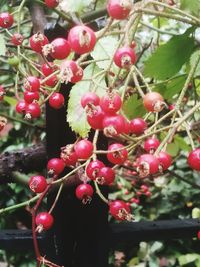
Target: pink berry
x=151, y=144
x=56, y=100
x=38, y=41
x=2, y=92
x=51, y=3
x=194, y=159
x=21, y=107
x=55, y=166
x=33, y=111
x=84, y=192
x=6, y=20
x=165, y=160
x=117, y=157
x=106, y=176
x=44, y=220
x=95, y=118
x=83, y=149
x=17, y=39
x=89, y=98
x=153, y=102
x=138, y=126
x=147, y=164
x=70, y=72
x=29, y=97
x=93, y=168
x=111, y=103
x=113, y=125
x=32, y=84
x=119, y=210
x=37, y=183
x=58, y=48
x=124, y=57
x=119, y=9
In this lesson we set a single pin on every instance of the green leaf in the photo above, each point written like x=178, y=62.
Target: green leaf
x=191, y=6
x=133, y=107
x=76, y=115
x=174, y=87
x=195, y=213
x=169, y=58
x=188, y=258
x=193, y=61
x=75, y=5
x=173, y=149
x=181, y=143
x=104, y=49
x=2, y=46
x=10, y=100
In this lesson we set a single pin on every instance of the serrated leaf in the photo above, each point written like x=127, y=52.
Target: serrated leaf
x=76, y=115
x=104, y=49
x=174, y=87
x=2, y=46
x=173, y=149
x=191, y=6
x=169, y=58
x=133, y=107
x=181, y=143
x=10, y=100
x=75, y=5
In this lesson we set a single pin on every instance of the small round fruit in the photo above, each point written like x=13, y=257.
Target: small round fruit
x=165, y=160
x=113, y=125
x=198, y=235
x=32, y=84
x=194, y=159
x=90, y=98
x=52, y=3
x=70, y=72
x=52, y=81
x=147, y=164
x=55, y=166
x=29, y=97
x=111, y=103
x=93, y=168
x=95, y=118
x=120, y=210
x=2, y=92
x=38, y=41
x=117, y=157
x=153, y=102
x=58, y=49
x=83, y=149
x=138, y=126
x=119, y=9
x=38, y=183
x=124, y=57
x=6, y=20
x=106, y=176
x=82, y=39
x=48, y=69
x=21, y=107
x=56, y=100
x=151, y=144
x=33, y=111
x=17, y=39
x=68, y=155
x=84, y=192
x=44, y=221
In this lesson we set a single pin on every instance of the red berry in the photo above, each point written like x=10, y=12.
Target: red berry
x=144, y=188
x=58, y=48
x=194, y=159
x=135, y=200
x=21, y=107
x=37, y=183
x=151, y=144
x=56, y=100
x=70, y=72
x=89, y=98
x=82, y=39
x=106, y=176
x=55, y=166
x=44, y=220
x=117, y=157
x=2, y=92
x=95, y=118
x=38, y=41
x=32, y=111
x=111, y=103
x=198, y=235
x=32, y=84
x=113, y=125
x=84, y=192
x=138, y=126
x=48, y=69
x=124, y=57
x=165, y=160
x=93, y=168
x=17, y=39
x=119, y=9
x=51, y=3
x=6, y=20
x=29, y=97
x=83, y=149
x=119, y=210
x=171, y=107
x=147, y=164
x=68, y=155
x=153, y=102
x=52, y=81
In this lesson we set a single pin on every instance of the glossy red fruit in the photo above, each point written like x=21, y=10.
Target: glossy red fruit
x=52, y=3
x=32, y=111
x=93, y=168
x=68, y=155
x=32, y=84
x=90, y=98
x=119, y=9
x=106, y=176
x=38, y=183
x=138, y=126
x=83, y=149
x=3, y=122
x=151, y=144
x=165, y=160
x=111, y=103
x=144, y=188
x=48, y=69
x=21, y=107
x=153, y=102
x=194, y=159
x=56, y=100
x=2, y=92
x=113, y=125
x=52, y=81
x=58, y=49
x=82, y=39
x=147, y=164
x=38, y=41
x=70, y=72
x=6, y=20
x=120, y=210
x=126, y=126
x=124, y=57
x=95, y=118
x=84, y=192
x=55, y=166
x=44, y=221
x=198, y=235
x=29, y=97
x=117, y=157
x=17, y=39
